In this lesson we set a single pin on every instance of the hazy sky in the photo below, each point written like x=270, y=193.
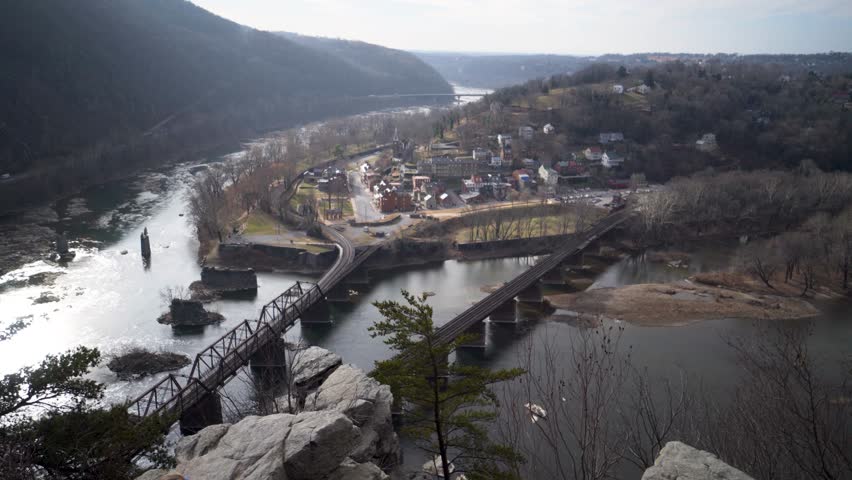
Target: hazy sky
x=561, y=26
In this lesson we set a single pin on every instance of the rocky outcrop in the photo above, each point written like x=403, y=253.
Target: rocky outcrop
x=312, y=365
x=368, y=404
x=188, y=313
x=344, y=431
x=678, y=461
x=310, y=445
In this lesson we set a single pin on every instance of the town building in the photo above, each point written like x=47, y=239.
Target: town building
x=549, y=177
x=593, y=154
x=391, y=200
x=610, y=137
x=419, y=181
x=530, y=164
x=548, y=129
x=526, y=132
x=707, y=143
x=446, y=167
x=611, y=160
x=618, y=89
x=482, y=155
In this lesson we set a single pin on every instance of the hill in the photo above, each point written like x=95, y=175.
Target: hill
x=105, y=84
x=395, y=68
x=747, y=115
x=497, y=71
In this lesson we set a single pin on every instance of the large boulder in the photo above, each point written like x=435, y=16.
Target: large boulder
x=312, y=365
x=368, y=404
x=678, y=461
x=282, y=446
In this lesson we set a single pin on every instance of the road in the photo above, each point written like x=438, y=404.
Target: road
x=362, y=199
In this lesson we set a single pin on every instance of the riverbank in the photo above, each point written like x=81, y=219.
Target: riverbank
x=681, y=303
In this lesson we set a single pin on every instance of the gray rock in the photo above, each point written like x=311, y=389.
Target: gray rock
x=282, y=446
x=367, y=403
x=199, y=444
x=352, y=470
x=312, y=365
x=317, y=444
x=678, y=461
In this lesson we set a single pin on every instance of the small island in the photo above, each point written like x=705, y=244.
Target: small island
x=140, y=362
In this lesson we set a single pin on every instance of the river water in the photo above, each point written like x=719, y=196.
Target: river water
x=110, y=300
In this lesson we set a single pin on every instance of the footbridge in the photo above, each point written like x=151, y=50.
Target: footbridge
x=193, y=398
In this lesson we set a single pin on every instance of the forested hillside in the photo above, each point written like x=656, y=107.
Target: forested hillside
x=90, y=79
x=390, y=66
x=497, y=71
x=762, y=116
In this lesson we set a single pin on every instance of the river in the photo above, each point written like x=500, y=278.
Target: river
x=106, y=298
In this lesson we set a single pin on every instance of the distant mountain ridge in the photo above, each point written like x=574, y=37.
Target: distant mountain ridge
x=381, y=63
x=503, y=70
x=76, y=74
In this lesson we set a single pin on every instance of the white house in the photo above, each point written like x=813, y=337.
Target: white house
x=618, y=89
x=548, y=129
x=548, y=176
x=504, y=139
x=707, y=143
x=642, y=89
x=526, y=132
x=611, y=160
x=482, y=155
x=592, y=154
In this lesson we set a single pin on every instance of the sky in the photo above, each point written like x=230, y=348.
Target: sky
x=583, y=27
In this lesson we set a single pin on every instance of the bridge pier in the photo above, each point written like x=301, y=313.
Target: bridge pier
x=553, y=277
x=575, y=260
x=318, y=313
x=477, y=334
x=505, y=313
x=531, y=294
x=273, y=355
x=205, y=412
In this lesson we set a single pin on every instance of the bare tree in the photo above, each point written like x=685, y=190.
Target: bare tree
x=561, y=413
x=785, y=420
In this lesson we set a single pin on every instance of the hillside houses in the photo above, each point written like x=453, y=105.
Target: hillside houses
x=611, y=159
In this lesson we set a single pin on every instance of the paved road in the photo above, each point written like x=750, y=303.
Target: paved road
x=362, y=200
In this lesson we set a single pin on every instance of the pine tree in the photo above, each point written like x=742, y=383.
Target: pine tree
x=447, y=406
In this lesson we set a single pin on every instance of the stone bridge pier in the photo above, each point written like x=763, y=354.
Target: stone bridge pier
x=207, y=411
x=272, y=356
x=532, y=294
x=505, y=313
x=477, y=336
x=320, y=312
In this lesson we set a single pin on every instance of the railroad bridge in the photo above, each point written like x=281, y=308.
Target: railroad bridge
x=500, y=306
x=193, y=398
